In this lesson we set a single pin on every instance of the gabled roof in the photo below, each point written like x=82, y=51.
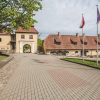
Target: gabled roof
x=4, y=33
x=31, y=30
x=66, y=43
x=21, y=30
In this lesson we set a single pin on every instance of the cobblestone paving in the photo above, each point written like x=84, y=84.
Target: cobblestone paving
x=5, y=73
x=45, y=77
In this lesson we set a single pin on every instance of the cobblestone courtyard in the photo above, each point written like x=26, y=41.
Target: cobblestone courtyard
x=45, y=77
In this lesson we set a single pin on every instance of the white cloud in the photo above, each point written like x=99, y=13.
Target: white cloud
x=65, y=16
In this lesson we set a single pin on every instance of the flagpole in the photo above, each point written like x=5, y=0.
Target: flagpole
x=83, y=42
x=97, y=41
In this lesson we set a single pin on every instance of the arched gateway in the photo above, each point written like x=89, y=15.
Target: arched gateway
x=27, y=48
x=26, y=40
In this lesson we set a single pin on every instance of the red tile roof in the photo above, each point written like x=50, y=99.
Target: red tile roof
x=66, y=42
x=4, y=33
x=31, y=30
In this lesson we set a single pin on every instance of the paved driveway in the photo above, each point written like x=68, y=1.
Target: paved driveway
x=45, y=77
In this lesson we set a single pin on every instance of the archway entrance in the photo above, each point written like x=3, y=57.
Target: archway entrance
x=26, y=48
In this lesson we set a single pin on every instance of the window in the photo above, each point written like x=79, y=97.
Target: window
x=30, y=36
x=22, y=36
x=73, y=42
x=98, y=43
x=2, y=48
x=0, y=39
x=57, y=42
x=76, y=51
x=67, y=51
x=87, y=51
x=85, y=43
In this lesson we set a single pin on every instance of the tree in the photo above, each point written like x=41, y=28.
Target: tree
x=40, y=42
x=18, y=13
x=40, y=46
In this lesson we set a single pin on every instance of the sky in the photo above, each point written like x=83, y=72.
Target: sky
x=65, y=16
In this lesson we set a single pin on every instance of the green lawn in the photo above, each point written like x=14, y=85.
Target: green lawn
x=2, y=57
x=85, y=62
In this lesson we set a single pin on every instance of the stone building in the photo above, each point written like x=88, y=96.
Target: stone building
x=23, y=41
x=5, y=39
x=71, y=45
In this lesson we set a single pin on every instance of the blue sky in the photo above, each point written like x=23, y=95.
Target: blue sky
x=64, y=16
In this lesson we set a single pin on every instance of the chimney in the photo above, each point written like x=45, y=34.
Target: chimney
x=77, y=34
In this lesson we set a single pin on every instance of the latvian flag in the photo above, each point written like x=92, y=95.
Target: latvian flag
x=83, y=22
x=98, y=15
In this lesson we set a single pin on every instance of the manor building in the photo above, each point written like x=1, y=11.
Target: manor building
x=71, y=45
x=23, y=41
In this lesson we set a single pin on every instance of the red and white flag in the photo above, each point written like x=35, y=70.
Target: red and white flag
x=83, y=22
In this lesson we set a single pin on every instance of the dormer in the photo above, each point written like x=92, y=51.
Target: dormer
x=57, y=41
x=73, y=40
x=98, y=41
x=85, y=41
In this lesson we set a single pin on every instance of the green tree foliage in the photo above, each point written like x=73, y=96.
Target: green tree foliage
x=40, y=46
x=18, y=13
x=40, y=42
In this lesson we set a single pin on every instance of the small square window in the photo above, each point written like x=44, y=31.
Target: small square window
x=30, y=36
x=0, y=40
x=85, y=43
x=22, y=36
x=98, y=43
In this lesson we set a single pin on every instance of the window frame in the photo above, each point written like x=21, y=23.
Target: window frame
x=30, y=36
x=22, y=36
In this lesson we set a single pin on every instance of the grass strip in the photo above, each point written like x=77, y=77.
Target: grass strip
x=86, y=62
x=2, y=57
